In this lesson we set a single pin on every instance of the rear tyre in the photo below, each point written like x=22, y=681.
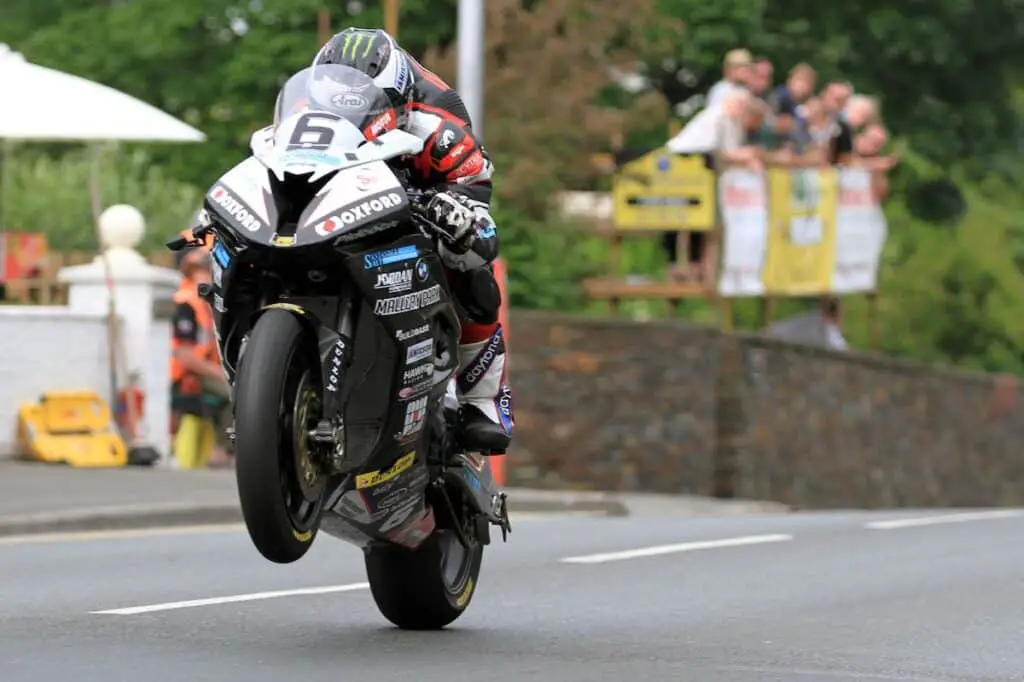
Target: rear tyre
x=280, y=488
x=426, y=589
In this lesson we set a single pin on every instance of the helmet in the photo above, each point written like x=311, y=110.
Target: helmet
x=374, y=52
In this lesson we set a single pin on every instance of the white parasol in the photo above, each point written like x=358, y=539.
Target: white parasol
x=38, y=103
x=41, y=104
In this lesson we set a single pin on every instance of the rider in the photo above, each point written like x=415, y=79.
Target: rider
x=455, y=163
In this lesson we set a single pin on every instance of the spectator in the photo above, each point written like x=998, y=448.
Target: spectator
x=761, y=77
x=868, y=149
x=785, y=99
x=859, y=111
x=736, y=76
x=821, y=130
x=721, y=131
x=835, y=96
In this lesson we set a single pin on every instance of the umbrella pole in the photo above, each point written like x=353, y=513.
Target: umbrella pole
x=108, y=276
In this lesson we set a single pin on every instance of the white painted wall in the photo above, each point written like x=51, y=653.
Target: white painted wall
x=47, y=348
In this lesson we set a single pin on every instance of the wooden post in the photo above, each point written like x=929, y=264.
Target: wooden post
x=874, y=337
x=323, y=27
x=391, y=17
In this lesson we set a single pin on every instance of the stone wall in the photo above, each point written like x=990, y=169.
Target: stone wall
x=662, y=406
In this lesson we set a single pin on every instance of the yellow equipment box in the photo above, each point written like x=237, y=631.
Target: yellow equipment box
x=72, y=428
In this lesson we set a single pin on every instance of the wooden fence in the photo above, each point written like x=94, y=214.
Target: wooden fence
x=44, y=289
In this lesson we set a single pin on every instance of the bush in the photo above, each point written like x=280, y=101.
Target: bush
x=52, y=196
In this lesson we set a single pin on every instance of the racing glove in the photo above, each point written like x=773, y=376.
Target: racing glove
x=454, y=219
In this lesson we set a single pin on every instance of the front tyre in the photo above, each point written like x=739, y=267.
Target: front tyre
x=276, y=406
x=426, y=589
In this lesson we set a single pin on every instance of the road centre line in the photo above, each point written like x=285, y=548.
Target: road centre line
x=233, y=599
x=894, y=524
x=658, y=550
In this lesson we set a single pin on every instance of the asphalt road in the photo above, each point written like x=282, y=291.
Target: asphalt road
x=794, y=598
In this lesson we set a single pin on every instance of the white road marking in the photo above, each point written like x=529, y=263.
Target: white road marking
x=964, y=517
x=673, y=549
x=233, y=599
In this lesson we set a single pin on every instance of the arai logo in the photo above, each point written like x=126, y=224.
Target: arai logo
x=223, y=198
x=358, y=212
x=349, y=101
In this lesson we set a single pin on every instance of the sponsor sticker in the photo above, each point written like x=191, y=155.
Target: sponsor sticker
x=422, y=270
x=394, y=282
x=409, y=302
x=357, y=213
x=400, y=514
x=223, y=197
x=389, y=256
x=417, y=373
x=415, y=413
x=418, y=352
x=403, y=335
x=372, y=478
x=417, y=389
x=334, y=379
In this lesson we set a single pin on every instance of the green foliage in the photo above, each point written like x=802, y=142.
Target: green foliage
x=950, y=75
x=53, y=196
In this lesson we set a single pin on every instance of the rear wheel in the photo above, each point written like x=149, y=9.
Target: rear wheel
x=425, y=589
x=280, y=485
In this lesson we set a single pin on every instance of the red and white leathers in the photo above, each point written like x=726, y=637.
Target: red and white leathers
x=455, y=163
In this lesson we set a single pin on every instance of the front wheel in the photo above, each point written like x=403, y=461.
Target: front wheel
x=280, y=486
x=428, y=588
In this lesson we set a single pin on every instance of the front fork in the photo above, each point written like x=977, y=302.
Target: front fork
x=335, y=352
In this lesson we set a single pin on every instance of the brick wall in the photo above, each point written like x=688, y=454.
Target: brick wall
x=663, y=406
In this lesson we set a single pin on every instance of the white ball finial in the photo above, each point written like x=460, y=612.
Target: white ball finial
x=122, y=227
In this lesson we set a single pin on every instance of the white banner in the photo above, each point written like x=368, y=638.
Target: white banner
x=860, y=234
x=743, y=200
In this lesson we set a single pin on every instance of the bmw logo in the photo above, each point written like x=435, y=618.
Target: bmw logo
x=422, y=271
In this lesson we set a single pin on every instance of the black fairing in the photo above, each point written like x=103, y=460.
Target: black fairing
x=335, y=286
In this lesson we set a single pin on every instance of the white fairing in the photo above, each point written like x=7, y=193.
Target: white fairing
x=345, y=193
x=347, y=147
x=241, y=193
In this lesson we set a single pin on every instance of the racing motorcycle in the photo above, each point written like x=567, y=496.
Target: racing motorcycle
x=338, y=334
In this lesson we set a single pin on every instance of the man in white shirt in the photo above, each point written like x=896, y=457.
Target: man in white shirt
x=736, y=72
x=721, y=130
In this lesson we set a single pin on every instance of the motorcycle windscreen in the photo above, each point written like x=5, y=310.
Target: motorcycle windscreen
x=355, y=203
x=321, y=118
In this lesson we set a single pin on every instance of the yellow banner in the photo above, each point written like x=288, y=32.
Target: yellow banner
x=801, y=231
x=664, y=191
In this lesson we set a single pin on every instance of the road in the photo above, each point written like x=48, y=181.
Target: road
x=795, y=598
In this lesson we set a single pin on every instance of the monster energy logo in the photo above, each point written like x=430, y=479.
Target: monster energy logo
x=353, y=41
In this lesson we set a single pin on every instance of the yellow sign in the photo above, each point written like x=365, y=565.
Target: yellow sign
x=278, y=240
x=664, y=191
x=372, y=478
x=801, y=231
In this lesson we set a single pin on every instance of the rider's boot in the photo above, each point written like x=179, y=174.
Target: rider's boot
x=483, y=391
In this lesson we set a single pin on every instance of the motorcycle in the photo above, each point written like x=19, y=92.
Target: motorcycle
x=338, y=333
